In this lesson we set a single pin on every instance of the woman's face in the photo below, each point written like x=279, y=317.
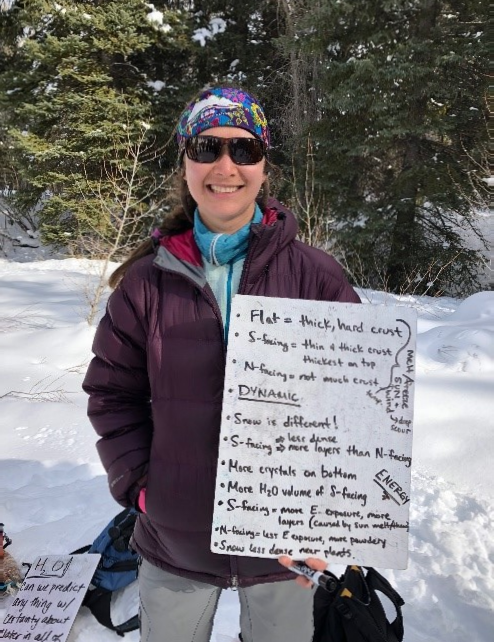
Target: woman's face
x=225, y=193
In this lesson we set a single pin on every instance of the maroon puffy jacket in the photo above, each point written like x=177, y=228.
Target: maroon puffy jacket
x=156, y=387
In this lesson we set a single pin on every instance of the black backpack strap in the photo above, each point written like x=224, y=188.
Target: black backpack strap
x=122, y=529
x=379, y=583
x=357, y=617
x=360, y=607
x=125, y=521
x=98, y=601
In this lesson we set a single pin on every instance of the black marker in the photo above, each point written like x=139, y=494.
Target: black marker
x=320, y=579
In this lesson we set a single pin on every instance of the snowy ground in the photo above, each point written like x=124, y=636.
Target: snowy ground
x=53, y=492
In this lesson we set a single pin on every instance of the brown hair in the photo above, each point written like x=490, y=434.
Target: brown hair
x=180, y=219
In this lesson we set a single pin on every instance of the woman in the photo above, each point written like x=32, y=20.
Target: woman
x=156, y=382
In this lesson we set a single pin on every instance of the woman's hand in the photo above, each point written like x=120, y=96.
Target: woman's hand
x=313, y=562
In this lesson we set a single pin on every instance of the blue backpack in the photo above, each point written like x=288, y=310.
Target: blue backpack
x=116, y=569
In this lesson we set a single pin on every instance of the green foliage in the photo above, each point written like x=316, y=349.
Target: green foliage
x=236, y=44
x=79, y=91
x=400, y=134
x=376, y=110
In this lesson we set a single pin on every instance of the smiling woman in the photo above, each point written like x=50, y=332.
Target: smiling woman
x=156, y=382
x=224, y=190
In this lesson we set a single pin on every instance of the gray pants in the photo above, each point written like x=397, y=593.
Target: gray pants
x=175, y=609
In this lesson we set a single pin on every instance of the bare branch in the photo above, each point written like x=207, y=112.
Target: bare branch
x=118, y=206
x=42, y=391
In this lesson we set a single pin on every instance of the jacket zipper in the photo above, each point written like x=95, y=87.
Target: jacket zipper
x=247, y=262
x=211, y=300
x=228, y=301
x=234, y=583
x=214, y=305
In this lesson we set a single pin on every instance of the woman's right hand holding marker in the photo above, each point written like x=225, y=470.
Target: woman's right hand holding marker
x=313, y=563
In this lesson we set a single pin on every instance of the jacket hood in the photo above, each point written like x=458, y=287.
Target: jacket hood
x=179, y=253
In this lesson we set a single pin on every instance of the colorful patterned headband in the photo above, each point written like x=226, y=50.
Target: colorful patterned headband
x=222, y=107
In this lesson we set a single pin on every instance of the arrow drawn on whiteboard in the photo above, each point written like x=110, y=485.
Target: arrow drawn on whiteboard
x=397, y=393
x=386, y=495
x=397, y=363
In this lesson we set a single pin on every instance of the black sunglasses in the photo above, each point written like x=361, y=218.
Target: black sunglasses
x=242, y=151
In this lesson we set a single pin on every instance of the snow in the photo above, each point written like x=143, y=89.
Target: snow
x=53, y=491
x=157, y=85
x=156, y=17
x=216, y=26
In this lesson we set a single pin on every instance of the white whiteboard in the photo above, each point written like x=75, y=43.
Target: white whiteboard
x=49, y=598
x=316, y=434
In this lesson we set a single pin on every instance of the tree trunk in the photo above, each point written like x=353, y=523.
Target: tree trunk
x=302, y=106
x=401, y=258
x=401, y=262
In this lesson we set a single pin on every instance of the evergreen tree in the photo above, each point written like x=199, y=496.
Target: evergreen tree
x=236, y=44
x=376, y=110
x=86, y=86
x=399, y=135
x=6, y=173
